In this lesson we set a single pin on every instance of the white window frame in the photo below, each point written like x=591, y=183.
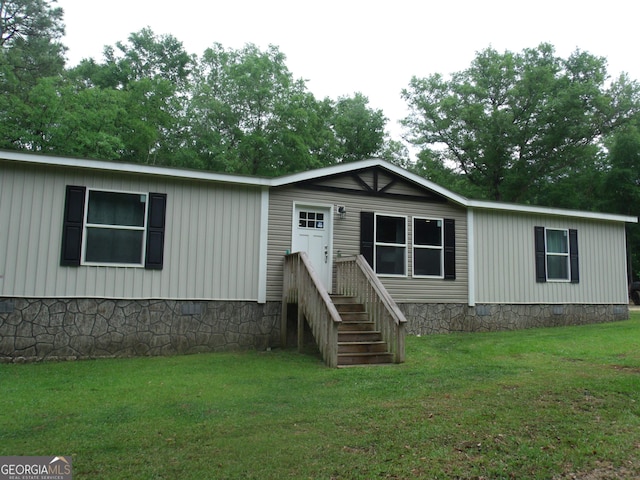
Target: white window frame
x=376, y=244
x=428, y=247
x=557, y=254
x=88, y=225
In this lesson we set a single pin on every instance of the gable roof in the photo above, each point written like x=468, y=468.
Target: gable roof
x=301, y=177
x=448, y=194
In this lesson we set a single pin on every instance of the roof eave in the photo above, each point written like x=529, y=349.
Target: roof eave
x=363, y=164
x=123, y=167
x=548, y=211
x=181, y=173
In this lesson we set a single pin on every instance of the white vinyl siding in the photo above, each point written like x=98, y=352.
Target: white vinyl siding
x=505, y=260
x=211, y=247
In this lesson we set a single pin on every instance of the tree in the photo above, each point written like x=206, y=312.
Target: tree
x=249, y=115
x=30, y=33
x=513, y=123
x=152, y=74
x=621, y=186
x=359, y=129
x=30, y=51
x=395, y=152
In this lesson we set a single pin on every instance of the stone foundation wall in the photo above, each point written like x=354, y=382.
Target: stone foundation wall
x=50, y=329
x=53, y=329
x=426, y=319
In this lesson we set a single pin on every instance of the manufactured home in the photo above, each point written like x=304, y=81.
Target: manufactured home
x=103, y=259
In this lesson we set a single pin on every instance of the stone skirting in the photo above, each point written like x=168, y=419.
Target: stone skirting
x=53, y=329
x=426, y=319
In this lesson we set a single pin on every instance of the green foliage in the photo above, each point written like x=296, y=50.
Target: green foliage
x=358, y=128
x=621, y=184
x=30, y=33
x=30, y=49
x=542, y=403
x=150, y=75
x=239, y=110
x=148, y=101
x=513, y=123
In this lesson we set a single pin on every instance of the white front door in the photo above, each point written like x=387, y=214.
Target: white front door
x=312, y=234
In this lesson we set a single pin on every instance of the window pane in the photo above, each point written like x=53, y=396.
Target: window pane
x=113, y=208
x=390, y=260
x=427, y=232
x=427, y=261
x=311, y=220
x=105, y=245
x=557, y=241
x=390, y=229
x=558, y=267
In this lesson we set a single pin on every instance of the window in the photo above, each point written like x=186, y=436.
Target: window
x=390, y=245
x=556, y=255
x=384, y=244
x=428, y=240
x=113, y=228
x=313, y=220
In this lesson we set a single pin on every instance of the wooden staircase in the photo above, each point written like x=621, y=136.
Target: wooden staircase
x=360, y=326
x=359, y=343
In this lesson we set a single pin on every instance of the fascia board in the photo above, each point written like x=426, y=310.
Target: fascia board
x=121, y=167
x=548, y=211
x=323, y=172
x=363, y=164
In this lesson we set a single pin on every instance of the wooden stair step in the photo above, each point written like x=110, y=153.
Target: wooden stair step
x=347, y=304
x=342, y=298
x=351, y=326
x=373, y=358
x=350, y=308
x=354, y=316
x=358, y=336
x=362, y=347
x=358, y=341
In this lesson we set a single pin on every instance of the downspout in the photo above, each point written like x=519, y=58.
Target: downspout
x=471, y=257
x=264, y=236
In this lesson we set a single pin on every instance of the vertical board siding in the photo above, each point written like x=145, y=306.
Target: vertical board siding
x=346, y=240
x=505, y=260
x=211, y=246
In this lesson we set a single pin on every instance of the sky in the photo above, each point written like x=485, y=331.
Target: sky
x=341, y=47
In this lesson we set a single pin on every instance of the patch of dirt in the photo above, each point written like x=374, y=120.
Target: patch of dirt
x=606, y=471
x=624, y=368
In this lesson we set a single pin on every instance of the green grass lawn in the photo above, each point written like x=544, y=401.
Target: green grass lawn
x=523, y=404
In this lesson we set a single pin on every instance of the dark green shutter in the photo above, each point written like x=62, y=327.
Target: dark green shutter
x=366, y=236
x=156, y=215
x=72, y=226
x=541, y=257
x=573, y=256
x=449, y=249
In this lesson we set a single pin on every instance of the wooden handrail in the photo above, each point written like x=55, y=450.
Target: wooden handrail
x=356, y=278
x=302, y=285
